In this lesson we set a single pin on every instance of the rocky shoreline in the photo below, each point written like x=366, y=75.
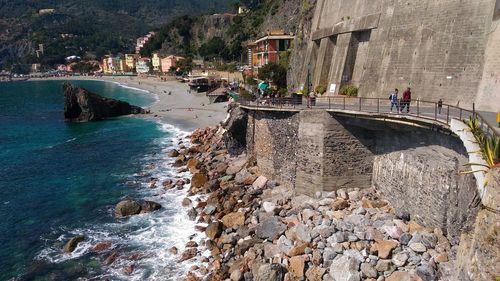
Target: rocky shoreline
x=256, y=229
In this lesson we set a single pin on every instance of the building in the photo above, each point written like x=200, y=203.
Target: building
x=42, y=12
x=169, y=62
x=382, y=45
x=122, y=65
x=143, y=66
x=130, y=60
x=242, y=10
x=141, y=41
x=268, y=48
x=156, y=62
x=111, y=65
x=36, y=67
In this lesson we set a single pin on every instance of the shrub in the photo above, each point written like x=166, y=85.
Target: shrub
x=320, y=89
x=348, y=90
x=282, y=92
x=250, y=81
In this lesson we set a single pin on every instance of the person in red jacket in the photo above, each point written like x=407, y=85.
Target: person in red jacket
x=406, y=100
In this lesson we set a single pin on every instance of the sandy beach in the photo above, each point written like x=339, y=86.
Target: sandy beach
x=181, y=109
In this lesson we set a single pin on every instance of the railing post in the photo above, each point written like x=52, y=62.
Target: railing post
x=329, y=103
x=378, y=105
x=418, y=107
x=448, y=114
x=360, y=104
x=435, y=111
x=344, y=103
x=460, y=113
x=473, y=110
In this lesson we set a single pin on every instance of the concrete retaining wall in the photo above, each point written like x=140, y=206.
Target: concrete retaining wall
x=417, y=169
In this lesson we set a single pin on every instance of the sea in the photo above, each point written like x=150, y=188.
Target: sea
x=60, y=179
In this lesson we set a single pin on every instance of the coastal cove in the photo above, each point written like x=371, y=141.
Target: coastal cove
x=60, y=179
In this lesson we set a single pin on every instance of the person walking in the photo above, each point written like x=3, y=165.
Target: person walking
x=440, y=105
x=406, y=100
x=394, y=100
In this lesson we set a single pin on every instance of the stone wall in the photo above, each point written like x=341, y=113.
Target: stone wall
x=442, y=49
x=415, y=168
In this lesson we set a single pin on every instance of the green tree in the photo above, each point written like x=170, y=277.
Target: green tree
x=275, y=73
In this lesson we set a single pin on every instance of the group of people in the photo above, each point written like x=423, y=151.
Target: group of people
x=401, y=103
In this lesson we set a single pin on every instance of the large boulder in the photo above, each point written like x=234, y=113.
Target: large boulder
x=73, y=243
x=149, y=206
x=236, y=130
x=127, y=208
x=214, y=230
x=81, y=105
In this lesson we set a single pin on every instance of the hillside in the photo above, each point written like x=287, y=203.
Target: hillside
x=222, y=36
x=85, y=27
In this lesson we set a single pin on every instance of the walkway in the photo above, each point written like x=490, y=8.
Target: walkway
x=424, y=110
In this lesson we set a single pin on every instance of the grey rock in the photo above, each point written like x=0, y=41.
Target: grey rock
x=383, y=265
x=271, y=251
x=269, y=207
x=427, y=272
x=338, y=237
x=405, y=238
x=354, y=195
x=338, y=248
x=368, y=270
x=284, y=244
x=345, y=268
x=303, y=233
x=402, y=215
x=418, y=247
x=210, y=209
x=192, y=213
x=354, y=254
x=248, y=276
x=325, y=231
x=360, y=211
x=149, y=206
x=270, y=272
x=270, y=228
x=400, y=259
x=329, y=254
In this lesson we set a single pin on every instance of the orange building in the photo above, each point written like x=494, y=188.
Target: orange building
x=268, y=48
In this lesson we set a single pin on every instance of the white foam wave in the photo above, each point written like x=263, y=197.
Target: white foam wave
x=151, y=235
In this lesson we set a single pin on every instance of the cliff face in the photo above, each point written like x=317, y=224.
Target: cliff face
x=80, y=105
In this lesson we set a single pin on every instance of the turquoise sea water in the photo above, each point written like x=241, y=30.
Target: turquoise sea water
x=59, y=179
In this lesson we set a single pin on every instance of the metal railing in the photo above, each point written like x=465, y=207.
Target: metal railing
x=433, y=111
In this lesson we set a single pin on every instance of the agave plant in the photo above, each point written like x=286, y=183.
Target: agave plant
x=490, y=146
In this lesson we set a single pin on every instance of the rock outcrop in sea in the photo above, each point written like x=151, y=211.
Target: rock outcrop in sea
x=81, y=105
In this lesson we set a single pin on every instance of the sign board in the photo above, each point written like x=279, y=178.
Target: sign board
x=333, y=87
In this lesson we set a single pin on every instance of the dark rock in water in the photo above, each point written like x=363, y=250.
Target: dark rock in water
x=236, y=130
x=81, y=105
x=127, y=208
x=73, y=243
x=150, y=206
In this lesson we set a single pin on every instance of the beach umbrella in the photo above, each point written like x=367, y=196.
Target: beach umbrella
x=263, y=86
